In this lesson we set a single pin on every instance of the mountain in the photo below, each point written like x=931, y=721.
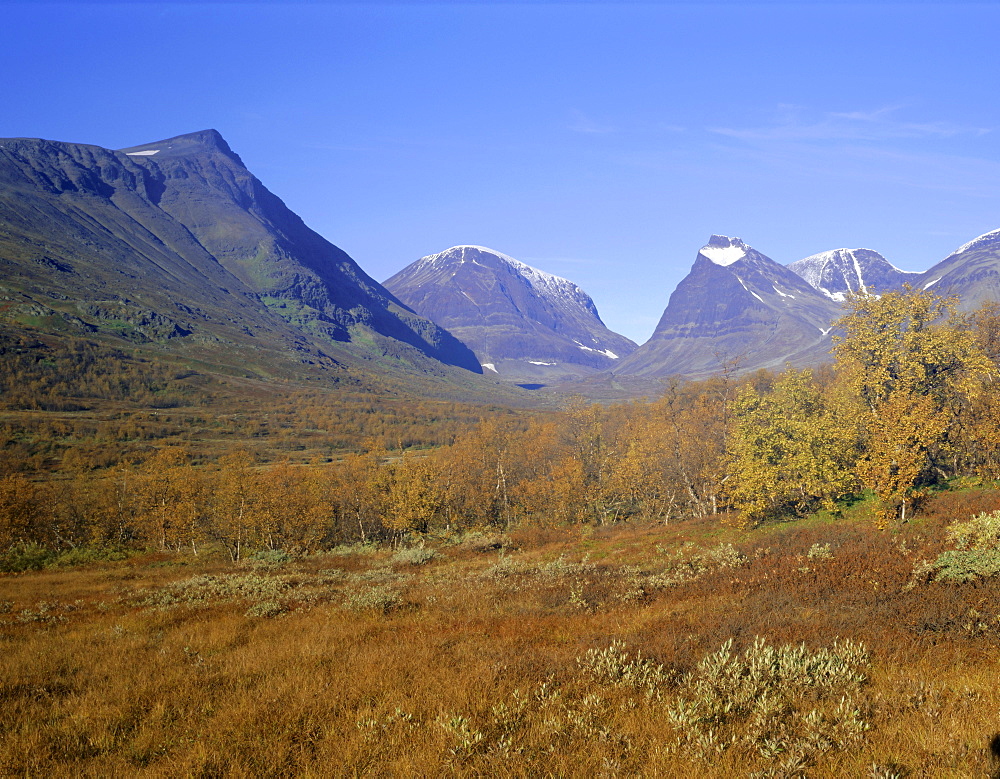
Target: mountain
x=739, y=307
x=176, y=243
x=522, y=323
x=835, y=273
x=972, y=272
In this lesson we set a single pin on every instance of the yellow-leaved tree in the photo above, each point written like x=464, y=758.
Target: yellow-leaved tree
x=912, y=364
x=789, y=449
x=415, y=499
x=235, y=501
x=170, y=500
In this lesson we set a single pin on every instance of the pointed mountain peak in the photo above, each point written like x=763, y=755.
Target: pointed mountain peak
x=189, y=144
x=723, y=250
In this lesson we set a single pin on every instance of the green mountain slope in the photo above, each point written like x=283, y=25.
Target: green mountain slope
x=177, y=246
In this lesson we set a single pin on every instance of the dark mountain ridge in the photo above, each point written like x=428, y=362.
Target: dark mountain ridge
x=177, y=242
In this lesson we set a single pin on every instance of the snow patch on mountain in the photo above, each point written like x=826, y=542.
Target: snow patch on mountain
x=725, y=255
x=605, y=352
x=749, y=290
x=858, y=273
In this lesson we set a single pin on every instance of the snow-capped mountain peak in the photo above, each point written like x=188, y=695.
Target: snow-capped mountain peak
x=526, y=323
x=837, y=272
x=723, y=250
x=543, y=281
x=735, y=304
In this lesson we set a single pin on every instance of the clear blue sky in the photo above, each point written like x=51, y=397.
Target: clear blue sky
x=601, y=142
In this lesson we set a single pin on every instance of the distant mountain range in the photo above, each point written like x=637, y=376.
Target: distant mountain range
x=522, y=323
x=175, y=246
x=176, y=243
x=739, y=309
x=736, y=307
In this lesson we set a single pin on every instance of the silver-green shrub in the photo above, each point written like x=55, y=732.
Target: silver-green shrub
x=976, y=554
x=774, y=700
x=381, y=598
x=267, y=609
x=614, y=665
x=684, y=566
x=414, y=555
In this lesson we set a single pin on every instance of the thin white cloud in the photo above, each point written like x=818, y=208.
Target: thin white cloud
x=793, y=124
x=581, y=123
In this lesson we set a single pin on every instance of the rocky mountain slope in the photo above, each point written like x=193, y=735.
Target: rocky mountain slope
x=176, y=243
x=736, y=307
x=835, y=273
x=972, y=272
x=522, y=323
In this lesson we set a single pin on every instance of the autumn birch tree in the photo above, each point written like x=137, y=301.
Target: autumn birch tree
x=911, y=364
x=790, y=451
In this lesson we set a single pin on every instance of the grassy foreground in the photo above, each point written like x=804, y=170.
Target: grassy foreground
x=692, y=649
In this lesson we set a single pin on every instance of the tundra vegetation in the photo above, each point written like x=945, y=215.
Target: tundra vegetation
x=787, y=574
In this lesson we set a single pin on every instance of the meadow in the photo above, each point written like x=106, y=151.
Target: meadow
x=769, y=575
x=821, y=647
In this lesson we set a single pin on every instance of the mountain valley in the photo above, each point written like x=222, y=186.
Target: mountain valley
x=174, y=248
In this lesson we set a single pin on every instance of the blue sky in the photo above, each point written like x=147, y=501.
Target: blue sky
x=600, y=142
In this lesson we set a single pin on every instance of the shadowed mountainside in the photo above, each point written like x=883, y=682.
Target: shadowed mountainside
x=176, y=243
x=522, y=323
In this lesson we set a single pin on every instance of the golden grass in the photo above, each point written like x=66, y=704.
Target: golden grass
x=471, y=665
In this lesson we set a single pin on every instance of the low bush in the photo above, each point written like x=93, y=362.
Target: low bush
x=415, y=555
x=976, y=554
x=380, y=597
x=25, y=557
x=776, y=701
x=267, y=609
x=614, y=665
x=269, y=558
x=85, y=555
x=34, y=557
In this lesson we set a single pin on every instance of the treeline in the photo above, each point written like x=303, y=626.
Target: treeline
x=584, y=464
x=65, y=375
x=71, y=404
x=911, y=402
